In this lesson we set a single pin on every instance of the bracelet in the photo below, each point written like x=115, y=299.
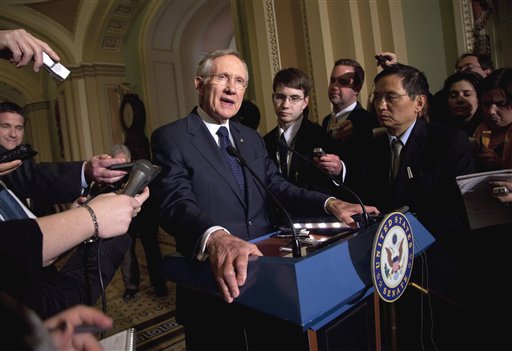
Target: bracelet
x=95, y=235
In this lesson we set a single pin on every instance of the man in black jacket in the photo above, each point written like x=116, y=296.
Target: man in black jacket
x=349, y=124
x=290, y=98
x=415, y=164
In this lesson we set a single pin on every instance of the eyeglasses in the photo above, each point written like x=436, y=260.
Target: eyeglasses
x=467, y=67
x=388, y=98
x=280, y=99
x=345, y=80
x=224, y=79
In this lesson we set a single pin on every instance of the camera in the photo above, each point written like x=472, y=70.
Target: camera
x=20, y=152
x=500, y=190
x=381, y=59
x=318, y=151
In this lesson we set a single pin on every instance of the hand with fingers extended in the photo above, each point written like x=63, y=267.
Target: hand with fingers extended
x=229, y=257
x=345, y=210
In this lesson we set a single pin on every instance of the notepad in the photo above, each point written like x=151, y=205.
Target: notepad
x=482, y=209
x=121, y=341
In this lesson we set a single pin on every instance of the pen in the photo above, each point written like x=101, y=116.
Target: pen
x=88, y=329
x=62, y=326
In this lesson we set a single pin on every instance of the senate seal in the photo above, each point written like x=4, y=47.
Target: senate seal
x=392, y=256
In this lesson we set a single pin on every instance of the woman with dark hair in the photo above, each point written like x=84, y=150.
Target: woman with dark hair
x=457, y=103
x=494, y=133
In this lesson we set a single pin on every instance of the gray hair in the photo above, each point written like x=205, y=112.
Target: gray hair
x=120, y=149
x=204, y=68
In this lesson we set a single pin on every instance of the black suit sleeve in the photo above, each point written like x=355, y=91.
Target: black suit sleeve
x=49, y=182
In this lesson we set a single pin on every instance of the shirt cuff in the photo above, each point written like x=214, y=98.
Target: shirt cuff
x=325, y=203
x=202, y=255
x=83, y=181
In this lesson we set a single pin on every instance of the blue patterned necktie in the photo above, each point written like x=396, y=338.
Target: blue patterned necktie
x=10, y=209
x=232, y=162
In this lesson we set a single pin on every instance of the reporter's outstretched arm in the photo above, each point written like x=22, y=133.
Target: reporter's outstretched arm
x=113, y=214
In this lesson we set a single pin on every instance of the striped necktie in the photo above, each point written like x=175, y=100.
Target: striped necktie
x=10, y=209
x=232, y=162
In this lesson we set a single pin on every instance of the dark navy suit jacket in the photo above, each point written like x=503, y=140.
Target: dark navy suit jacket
x=432, y=158
x=302, y=173
x=197, y=190
x=50, y=183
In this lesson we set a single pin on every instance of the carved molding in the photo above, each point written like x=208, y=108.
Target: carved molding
x=270, y=21
x=309, y=59
x=102, y=69
x=37, y=106
x=468, y=25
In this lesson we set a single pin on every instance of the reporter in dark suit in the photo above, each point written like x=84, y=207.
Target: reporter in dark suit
x=349, y=124
x=55, y=183
x=49, y=183
x=209, y=213
x=423, y=178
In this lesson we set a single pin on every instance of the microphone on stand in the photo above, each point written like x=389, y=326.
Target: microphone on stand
x=336, y=182
x=295, y=241
x=142, y=173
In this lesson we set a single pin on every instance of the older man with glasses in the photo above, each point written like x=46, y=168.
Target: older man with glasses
x=214, y=208
x=414, y=164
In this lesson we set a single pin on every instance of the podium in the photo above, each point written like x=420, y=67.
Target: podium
x=316, y=292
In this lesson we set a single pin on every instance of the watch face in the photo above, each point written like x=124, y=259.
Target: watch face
x=127, y=115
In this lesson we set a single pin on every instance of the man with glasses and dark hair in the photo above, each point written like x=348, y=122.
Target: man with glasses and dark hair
x=290, y=99
x=213, y=207
x=415, y=164
x=478, y=63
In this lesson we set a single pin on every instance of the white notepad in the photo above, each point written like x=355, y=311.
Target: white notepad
x=122, y=341
x=482, y=209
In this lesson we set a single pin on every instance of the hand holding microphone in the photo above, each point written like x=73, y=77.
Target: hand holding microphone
x=142, y=173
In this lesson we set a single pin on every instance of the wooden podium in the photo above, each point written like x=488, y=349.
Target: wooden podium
x=328, y=292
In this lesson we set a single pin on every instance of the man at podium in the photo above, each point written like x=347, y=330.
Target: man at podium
x=213, y=206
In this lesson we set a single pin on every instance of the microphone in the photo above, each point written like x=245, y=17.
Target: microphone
x=142, y=173
x=338, y=184
x=295, y=241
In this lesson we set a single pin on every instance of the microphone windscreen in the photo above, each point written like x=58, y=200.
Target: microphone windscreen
x=142, y=173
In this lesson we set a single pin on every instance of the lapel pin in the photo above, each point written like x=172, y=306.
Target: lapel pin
x=242, y=140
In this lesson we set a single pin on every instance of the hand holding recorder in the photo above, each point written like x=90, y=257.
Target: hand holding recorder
x=20, y=47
